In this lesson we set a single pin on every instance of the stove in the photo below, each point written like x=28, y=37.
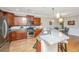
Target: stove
x=30, y=32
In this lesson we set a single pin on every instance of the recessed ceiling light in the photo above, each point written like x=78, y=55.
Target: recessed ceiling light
x=30, y=11
x=16, y=9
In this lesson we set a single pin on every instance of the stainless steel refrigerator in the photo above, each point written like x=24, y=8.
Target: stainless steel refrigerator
x=3, y=33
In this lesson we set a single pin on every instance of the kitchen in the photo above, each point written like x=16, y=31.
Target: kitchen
x=36, y=29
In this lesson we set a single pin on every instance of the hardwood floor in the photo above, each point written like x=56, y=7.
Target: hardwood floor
x=73, y=44
x=26, y=45
x=5, y=48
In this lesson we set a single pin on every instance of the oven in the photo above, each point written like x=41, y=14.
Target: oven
x=30, y=32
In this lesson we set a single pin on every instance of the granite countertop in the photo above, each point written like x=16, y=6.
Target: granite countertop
x=53, y=37
x=16, y=28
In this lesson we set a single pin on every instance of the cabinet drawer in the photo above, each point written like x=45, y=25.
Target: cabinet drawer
x=21, y=34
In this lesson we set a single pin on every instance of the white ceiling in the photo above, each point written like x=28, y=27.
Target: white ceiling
x=43, y=11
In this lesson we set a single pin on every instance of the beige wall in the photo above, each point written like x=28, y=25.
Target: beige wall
x=45, y=22
x=71, y=18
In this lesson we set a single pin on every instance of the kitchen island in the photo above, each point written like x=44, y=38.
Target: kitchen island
x=50, y=38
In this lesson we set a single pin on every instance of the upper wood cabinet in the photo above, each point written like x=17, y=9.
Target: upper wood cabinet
x=10, y=18
x=30, y=17
x=20, y=20
x=33, y=20
x=37, y=21
x=1, y=14
x=30, y=20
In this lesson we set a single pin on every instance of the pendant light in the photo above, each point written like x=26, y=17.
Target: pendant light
x=61, y=20
x=58, y=15
x=52, y=20
x=53, y=16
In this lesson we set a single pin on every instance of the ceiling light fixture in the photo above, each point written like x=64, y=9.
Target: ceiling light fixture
x=58, y=15
x=53, y=18
x=17, y=9
x=61, y=20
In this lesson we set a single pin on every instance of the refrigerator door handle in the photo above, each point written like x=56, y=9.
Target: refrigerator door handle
x=4, y=28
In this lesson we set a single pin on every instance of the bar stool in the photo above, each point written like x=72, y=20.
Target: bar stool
x=62, y=46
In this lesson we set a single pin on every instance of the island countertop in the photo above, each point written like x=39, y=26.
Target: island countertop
x=53, y=37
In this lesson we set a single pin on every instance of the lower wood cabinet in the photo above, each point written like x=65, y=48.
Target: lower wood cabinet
x=11, y=36
x=21, y=34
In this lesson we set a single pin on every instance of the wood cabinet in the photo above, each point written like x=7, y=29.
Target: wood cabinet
x=37, y=21
x=21, y=34
x=1, y=14
x=30, y=17
x=37, y=32
x=30, y=20
x=10, y=18
x=13, y=36
x=33, y=20
x=20, y=20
